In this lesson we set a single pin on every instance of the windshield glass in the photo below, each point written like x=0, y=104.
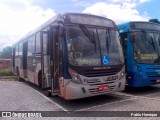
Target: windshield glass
x=90, y=46
x=147, y=47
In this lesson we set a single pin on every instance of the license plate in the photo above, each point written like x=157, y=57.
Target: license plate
x=103, y=87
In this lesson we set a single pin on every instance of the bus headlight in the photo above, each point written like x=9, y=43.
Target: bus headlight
x=75, y=77
x=122, y=73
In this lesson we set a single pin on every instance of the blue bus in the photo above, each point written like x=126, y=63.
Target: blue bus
x=73, y=56
x=141, y=47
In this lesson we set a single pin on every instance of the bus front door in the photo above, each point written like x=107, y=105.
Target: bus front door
x=55, y=57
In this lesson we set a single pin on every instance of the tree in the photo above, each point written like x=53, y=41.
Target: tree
x=154, y=20
x=7, y=52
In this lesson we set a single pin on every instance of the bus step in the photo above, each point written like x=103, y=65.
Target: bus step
x=55, y=92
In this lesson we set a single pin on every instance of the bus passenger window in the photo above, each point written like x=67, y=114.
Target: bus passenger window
x=17, y=50
x=31, y=46
x=45, y=40
x=38, y=43
x=20, y=48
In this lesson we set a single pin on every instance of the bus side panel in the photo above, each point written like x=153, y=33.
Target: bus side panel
x=17, y=60
x=30, y=66
x=34, y=70
x=37, y=69
x=17, y=63
x=21, y=69
x=38, y=58
x=31, y=61
x=13, y=61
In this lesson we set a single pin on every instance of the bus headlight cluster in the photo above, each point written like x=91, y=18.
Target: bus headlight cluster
x=75, y=77
x=122, y=73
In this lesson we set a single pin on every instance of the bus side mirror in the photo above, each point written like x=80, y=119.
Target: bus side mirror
x=133, y=35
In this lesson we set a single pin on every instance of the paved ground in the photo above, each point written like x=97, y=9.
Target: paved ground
x=22, y=96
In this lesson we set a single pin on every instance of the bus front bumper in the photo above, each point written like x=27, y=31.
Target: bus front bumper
x=76, y=91
x=138, y=80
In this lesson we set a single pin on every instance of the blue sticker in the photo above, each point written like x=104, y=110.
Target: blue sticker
x=105, y=59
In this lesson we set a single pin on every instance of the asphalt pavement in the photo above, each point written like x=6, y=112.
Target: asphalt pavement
x=23, y=96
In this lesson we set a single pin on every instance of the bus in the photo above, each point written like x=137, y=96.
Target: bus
x=141, y=46
x=72, y=55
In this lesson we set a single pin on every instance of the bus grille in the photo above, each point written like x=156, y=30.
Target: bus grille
x=96, y=91
x=102, y=72
x=99, y=83
x=153, y=72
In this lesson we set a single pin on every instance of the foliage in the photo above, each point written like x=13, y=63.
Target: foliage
x=154, y=20
x=6, y=53
x=6, y=72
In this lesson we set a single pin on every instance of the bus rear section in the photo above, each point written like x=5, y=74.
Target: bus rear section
x=76, y=56
x=141, y=46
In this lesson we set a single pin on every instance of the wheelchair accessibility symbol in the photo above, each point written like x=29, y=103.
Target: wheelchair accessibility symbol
x=105, y=60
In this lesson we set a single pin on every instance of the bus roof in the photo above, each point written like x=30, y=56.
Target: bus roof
x=136, y=25
x=51, y=21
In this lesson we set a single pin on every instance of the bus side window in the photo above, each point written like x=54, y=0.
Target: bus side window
x=17, y=47
x=124, y=43
x=38, y=43
x=20, y=48
x=45, y=42
x=31, y=46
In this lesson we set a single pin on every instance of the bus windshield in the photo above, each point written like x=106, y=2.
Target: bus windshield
x=147, y=47
x=89, y=46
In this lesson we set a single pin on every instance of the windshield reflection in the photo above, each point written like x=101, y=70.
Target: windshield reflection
x=147, y=47
x=87, y=46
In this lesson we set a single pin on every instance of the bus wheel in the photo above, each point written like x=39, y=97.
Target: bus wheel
x=40, y=79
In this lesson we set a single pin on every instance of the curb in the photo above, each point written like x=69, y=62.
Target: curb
x=7, y=77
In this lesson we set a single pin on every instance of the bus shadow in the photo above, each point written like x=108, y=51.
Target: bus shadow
x=142, y=90
x=83, y=103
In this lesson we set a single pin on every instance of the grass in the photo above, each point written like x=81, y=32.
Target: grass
x=6, y=72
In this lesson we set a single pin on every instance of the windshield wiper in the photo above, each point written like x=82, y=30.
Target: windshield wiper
x=87, y=33
x=89, y=36
x=107, y=40
x=149, y=38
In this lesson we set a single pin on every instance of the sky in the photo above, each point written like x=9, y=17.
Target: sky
x=18, y=17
